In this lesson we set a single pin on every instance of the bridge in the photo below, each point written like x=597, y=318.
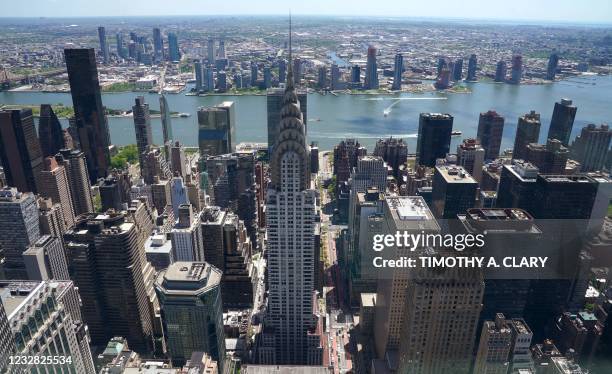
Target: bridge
x=7, y=78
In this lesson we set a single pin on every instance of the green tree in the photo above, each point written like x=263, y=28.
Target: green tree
x=127, y=154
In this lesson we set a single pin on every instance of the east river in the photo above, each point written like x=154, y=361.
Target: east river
x=332, y=118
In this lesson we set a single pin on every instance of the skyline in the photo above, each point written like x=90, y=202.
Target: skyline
x=227, y=195
x=565, y=11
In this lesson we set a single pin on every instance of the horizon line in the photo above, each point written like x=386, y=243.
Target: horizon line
x=415, y=18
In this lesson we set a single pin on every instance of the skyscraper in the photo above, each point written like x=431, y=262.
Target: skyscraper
x=267, y=77
x=365, y=221
x=527, y=131
x=355, y=74
x=274, y=100
x=591, y=147
x=471, y=156
x=290, y=220
x=562, y=121
x=472, y=66
x=91, y=122
x=453, y=191
x=517, y=186
x=322, y=77
x=50, y=132
x=550, y=158
x=110, y=194
x=173, y=47
x=348, y=151
x=398, y=69
x=142, y=126
x=103, y=44
x=221, y=81
x=231, y=183
x=239, y=273
x=156, y=166
x=551, y=69
x=282, y=70
x=50, y=216
x=440, y=339
x=107, y=263
x=254, y=73
x=500, y=71
x=434, y=137
x=444, y=78
x=221, y=50
x=213, y=220
x=490, y=132
x=517, y=69
x=178, y=163
x=458, y=70
x=507, y=230
x=371, y=78
x=19, y=229
x=336, y=83
x=186, y=236
x=7, y=342
x=217, y=129
x=400, y=214
x=158, y=44
x=161, y=194
x=520, y=355
x=211, y=51
x=56, y=186
x=20, y=153
x=393, y=150
x=297, y=72
x=73, y=161
x=494, y=347
x=46, y=259
x=371, y=171
x=199, y=79
x=209, y=79
x=179, y=194
x=47, y=309
x=165, y=118
x=120, y=46
x=190, y=299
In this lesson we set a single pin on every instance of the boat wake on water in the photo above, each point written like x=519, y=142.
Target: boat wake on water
x=396, y=100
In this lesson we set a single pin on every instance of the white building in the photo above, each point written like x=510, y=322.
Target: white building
x=471, y=156
x=187, y=243
x=45, y=321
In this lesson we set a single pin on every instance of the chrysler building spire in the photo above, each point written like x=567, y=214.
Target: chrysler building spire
x=290, y=162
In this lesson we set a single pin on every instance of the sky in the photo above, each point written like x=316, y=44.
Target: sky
x=570, y=11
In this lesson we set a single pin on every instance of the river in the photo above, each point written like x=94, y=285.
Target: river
x=361, y=116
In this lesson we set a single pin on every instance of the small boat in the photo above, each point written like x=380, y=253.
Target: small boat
x=184, y=115
x=456, y=133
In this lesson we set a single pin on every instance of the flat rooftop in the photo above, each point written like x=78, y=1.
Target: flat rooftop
x=409, y=213
x=436, y=115
x=455, y=174
x=284, y=369
x=158, y=244
x=523, y=170
x=520, y=326
x=368, y=299
x=188, y=277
